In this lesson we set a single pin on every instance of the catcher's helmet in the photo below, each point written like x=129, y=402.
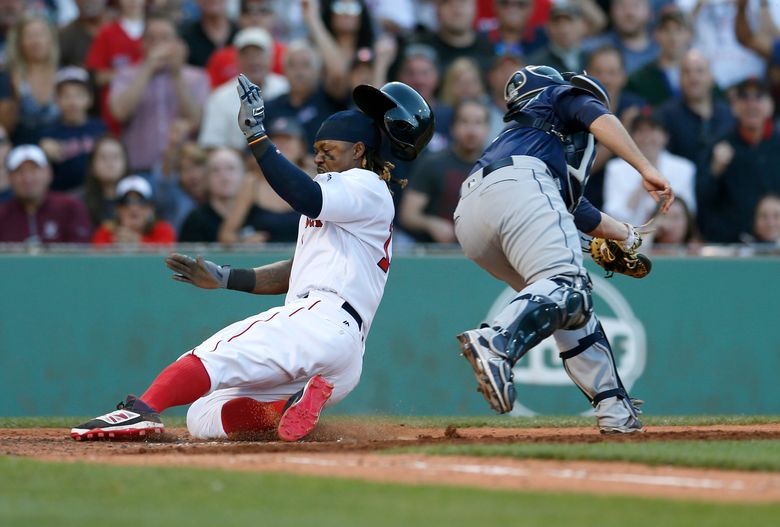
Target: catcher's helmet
x=527, y=83
x=401, y=112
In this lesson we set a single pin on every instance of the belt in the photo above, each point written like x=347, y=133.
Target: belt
x=346, y=306
x=495, y=165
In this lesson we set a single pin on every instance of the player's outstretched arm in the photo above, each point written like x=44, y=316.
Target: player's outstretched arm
x=610, y=132
x=269, y=279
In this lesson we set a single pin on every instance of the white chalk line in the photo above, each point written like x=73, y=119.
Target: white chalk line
x=497, y=470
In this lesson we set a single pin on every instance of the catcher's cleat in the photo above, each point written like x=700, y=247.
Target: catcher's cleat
x=301, y=416
x=132, y=419
x=619, y=416
x=493, y=371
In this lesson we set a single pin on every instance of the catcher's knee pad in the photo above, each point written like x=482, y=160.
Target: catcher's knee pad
x=589, y=362
x=543, y=308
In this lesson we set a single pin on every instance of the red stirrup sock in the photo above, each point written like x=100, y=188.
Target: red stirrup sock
x=183, y=382
x=245, y=414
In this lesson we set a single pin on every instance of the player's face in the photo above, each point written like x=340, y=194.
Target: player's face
x=337, y=156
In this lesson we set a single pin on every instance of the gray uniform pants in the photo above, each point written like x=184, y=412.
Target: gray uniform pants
x=514, y=224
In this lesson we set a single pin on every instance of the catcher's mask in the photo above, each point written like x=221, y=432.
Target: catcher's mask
x=527, y=83
x=401, y=112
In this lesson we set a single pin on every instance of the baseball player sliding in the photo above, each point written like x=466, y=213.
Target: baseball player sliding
x=285, y=364
x=518, y=218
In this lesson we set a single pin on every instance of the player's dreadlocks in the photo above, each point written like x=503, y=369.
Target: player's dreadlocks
x=373, y=161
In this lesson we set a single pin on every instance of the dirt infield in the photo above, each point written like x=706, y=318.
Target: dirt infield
x=351, y=451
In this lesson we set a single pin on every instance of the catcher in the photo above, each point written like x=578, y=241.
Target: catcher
x=518, y=217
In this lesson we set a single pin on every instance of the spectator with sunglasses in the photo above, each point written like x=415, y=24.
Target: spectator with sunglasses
x=135, y=221
x=742, y=168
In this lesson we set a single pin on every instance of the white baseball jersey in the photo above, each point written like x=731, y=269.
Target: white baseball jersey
x=347, y=249
x=342, y=255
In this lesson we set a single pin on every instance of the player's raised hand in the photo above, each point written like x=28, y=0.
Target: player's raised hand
x=658, y=187
x=197, y=271
x=252, y=111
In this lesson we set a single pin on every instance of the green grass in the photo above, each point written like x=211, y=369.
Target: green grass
x=439, y=421
x=758, y=455
x=62, y=494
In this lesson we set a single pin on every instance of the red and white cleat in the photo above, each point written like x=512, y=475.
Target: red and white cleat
x=301, y=417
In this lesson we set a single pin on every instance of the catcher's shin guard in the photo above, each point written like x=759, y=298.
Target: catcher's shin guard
x=541, y=309
x=589, y=362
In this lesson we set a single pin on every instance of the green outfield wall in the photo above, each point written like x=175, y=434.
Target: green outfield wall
x=698, y=336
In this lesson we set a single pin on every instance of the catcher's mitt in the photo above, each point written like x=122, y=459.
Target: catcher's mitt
x=616, y=257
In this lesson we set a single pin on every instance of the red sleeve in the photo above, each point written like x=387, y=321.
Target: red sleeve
x=103, y=236
x=98, y=54
x=162, y=233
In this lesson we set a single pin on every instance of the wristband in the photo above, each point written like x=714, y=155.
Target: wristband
x=242, y=280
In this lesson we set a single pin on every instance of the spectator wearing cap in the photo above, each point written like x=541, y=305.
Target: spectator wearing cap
x=258, y=214
x=308, y=100
x=456, y=36
x=6, y=192
x=76, y=37
x=222, y=65
x=117, y=45
x=513, y=34
x=658, y=81
x=212, y=31
x=624, y=196
x=606, y=65
x=36, y=214
x=631, y=21
x=741, y=168
x=27, y=103
x=135, y=221
x=148, y=97
x=566, y=29
x=429, y=201
x=219, y=127
x=695, y=119
x=70, y=141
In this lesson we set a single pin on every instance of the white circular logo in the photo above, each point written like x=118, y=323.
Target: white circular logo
x=541, y=367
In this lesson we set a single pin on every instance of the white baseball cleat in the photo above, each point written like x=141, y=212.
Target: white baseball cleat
x=300, y=418
x=618, y=416
x=131, y=419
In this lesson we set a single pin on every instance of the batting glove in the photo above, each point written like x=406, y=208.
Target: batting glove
x=198, y=272
x=252, y=111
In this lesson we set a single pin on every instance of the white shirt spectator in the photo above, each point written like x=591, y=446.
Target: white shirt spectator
x=626, y=199
x=220, y=125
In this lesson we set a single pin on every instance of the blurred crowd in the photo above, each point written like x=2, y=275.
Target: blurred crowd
x=118, y=117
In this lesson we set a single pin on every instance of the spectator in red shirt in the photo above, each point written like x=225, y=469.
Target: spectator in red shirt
x=116, y=45
x=136, y=224
x=35, y=214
